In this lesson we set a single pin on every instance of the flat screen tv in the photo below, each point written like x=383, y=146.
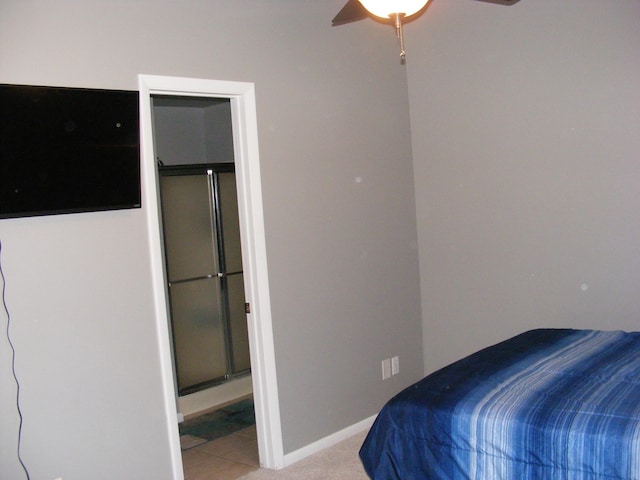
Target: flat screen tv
x=68, y=150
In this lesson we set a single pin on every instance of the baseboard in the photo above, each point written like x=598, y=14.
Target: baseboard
x=329, y=441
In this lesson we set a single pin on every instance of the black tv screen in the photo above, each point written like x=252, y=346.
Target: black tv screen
x=68, y=150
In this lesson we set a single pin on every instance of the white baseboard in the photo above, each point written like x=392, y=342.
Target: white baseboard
x=328, y=441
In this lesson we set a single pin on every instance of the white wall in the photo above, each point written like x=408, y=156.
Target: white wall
x=339, y=206
x=525, y=140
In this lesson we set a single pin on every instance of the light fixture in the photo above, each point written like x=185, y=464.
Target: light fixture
x=397, y=11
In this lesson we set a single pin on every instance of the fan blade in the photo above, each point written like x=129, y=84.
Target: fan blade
x=351, y=12
x=500, y=2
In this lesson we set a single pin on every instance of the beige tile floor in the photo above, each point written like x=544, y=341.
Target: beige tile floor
x=225, y=458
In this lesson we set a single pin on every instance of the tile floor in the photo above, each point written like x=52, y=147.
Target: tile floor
x=225, y=458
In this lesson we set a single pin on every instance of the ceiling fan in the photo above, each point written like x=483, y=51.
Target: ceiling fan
x=387, y=11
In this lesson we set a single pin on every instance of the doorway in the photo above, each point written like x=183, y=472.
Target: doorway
x=193, y=145
x=251, y=222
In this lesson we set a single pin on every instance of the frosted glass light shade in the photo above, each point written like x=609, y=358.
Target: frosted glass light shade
x=386, y=8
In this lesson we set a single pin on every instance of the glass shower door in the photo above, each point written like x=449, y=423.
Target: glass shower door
x=194, y=286
x=205, y=278
x=234, y=281
x=198, y=332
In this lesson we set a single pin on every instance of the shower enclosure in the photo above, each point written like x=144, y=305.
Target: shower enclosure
x=204, y=274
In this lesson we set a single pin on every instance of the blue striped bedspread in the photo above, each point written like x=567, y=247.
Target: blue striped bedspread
x=555, y=404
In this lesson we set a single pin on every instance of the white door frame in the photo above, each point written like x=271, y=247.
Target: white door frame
x=254, y=257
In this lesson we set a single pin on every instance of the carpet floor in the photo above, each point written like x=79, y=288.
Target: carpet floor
x=339, y=462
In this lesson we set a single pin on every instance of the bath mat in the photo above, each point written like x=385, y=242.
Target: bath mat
x=218, y=423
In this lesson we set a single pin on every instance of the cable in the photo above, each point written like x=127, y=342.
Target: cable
x=13, y=365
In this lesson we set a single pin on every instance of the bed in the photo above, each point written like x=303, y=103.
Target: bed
x=546, y=404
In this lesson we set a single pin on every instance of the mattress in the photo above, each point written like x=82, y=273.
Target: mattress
x=546, y=404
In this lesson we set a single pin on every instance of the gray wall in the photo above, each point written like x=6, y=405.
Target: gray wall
x=527, y=168
x=337, y=175
x=188, y=131
x=524, y=135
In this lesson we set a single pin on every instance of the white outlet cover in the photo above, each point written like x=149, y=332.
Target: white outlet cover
x=395, y=365
x=386, y=368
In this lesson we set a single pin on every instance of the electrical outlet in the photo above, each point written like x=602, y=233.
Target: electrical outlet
x=395, y=365
x=386, y=368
